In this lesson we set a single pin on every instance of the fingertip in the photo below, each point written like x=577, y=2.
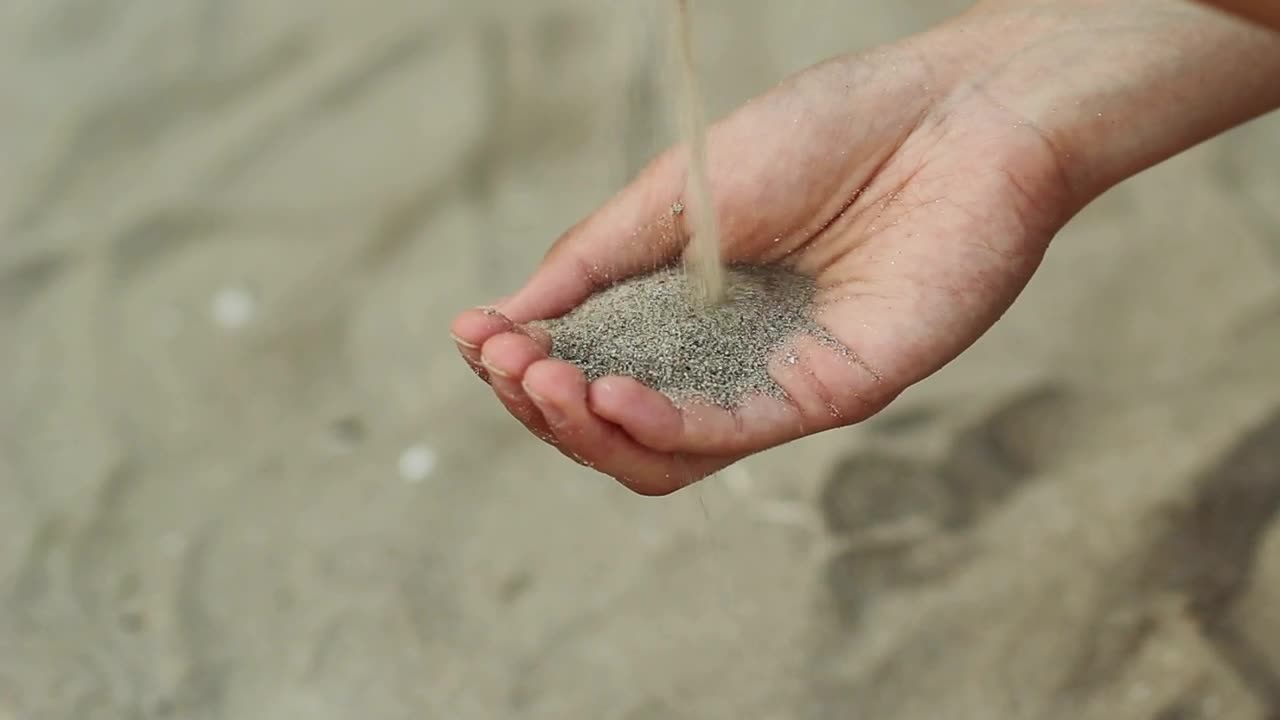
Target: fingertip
x=509, y=354
x=505, y=357
x=645, y=414
x=555, y=386
x=472, y=328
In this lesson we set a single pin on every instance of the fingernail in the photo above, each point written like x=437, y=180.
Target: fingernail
x=463, y=343
x=494, y=370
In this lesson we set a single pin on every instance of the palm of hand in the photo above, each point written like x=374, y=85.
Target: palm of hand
x=921, y=216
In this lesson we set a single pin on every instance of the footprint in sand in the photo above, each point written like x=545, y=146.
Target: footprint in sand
x=1209, y=554
x=1209, y=559
x=884, y=506
x=876, y=490
x=989, y=460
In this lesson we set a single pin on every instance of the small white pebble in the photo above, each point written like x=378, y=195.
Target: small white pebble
x=417, y=463
x=233, y=308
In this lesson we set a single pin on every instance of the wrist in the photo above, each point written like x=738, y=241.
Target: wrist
x=1113, y=86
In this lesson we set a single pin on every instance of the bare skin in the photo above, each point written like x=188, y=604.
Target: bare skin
x=1263, y=12
x=920, y=183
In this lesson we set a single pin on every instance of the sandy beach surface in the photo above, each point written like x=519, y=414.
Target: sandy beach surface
x=243, y=473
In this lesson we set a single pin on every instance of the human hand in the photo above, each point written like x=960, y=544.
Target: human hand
x=904, y=180
x=920, y=218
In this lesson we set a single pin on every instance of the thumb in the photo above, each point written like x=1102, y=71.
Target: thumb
x=639, y=230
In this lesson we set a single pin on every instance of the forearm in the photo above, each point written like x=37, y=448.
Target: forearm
x=1265, y=12
x=1116, y=86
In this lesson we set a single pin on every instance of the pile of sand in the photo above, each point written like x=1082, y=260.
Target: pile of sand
x=654, y=328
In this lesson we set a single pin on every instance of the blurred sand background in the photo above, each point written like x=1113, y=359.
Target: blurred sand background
x=244, y=475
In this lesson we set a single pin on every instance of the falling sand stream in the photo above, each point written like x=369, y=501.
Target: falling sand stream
x=704, y=262
x=706, y=332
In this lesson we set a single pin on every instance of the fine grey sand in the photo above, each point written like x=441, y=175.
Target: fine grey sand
x=655, y=328
x=244, y=474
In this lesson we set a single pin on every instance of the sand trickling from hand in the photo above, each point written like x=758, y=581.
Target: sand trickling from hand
x=655, y=329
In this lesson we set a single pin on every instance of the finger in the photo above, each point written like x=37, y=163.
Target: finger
x=639, y=230
x=759, y=422
x=560, y=391
x=506, y=357
x=821, y=388
x=471, y=329
x=829, y=384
